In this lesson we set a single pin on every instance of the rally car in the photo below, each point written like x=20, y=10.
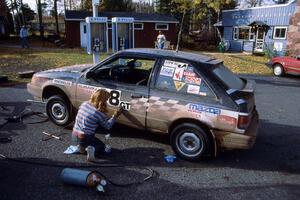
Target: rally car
x=193, y=98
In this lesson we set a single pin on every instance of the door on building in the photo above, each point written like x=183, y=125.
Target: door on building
x=259, y=41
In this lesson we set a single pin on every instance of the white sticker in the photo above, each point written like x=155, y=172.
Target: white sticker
x=114, y=100
x=62, y=82
x=170, y=63
x=178, y=74
x=167, y=71
x=193, y=89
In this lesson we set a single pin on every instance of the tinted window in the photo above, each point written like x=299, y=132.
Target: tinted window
x=182, y=78
x=228, y=78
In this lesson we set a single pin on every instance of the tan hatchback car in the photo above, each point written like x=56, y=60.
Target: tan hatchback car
x=193, y=98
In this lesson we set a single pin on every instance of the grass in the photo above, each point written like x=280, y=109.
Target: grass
x=13, y=61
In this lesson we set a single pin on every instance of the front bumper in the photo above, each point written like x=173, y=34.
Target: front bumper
x=36, y=91
x=230, y=140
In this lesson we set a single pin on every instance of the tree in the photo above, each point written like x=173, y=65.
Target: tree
x=116, y=5
x=40, y=15
x=254, y=3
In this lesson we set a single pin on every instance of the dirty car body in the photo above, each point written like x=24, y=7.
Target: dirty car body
x=195, y=99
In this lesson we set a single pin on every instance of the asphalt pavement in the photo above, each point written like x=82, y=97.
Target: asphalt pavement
x=270, y=170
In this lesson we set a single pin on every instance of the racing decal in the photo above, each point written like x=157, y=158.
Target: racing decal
x=189, y=68
x=203, y=93
x=178, y=74
x=170, y=63
x=224, y=119
x=114, y=100
x=189, y=73
x=198, y=108
x=193, y=89
x=178, y=85
x=192, y=80
x=62, y=82
x=167, y=71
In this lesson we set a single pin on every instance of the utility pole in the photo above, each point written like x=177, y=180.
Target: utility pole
x=96, y=3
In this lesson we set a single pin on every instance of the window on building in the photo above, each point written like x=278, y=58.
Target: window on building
x=138, y=26
x=235, y=33
x=84, y=29
x=109, y=25
x=243, y=33
x=161, y=27
x=182, y=78
x=280, y=33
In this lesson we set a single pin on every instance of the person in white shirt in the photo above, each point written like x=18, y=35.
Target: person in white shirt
x=24, y=37
x=161, y=39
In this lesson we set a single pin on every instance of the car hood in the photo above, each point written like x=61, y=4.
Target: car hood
x=72, y=68
x=67, y=73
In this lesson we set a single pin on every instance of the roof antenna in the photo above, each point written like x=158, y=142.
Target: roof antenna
x=180, y=31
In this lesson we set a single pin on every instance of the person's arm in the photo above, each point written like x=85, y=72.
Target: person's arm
x=108, y=123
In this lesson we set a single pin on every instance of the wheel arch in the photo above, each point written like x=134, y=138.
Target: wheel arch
x=51, y=90
x=211, y=136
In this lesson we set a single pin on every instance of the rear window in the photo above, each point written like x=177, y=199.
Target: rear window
x=231, y=80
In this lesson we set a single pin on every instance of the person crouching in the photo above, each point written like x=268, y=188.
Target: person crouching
x=90, y=116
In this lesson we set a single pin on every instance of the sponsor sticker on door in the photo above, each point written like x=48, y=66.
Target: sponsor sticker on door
x=167, y=71
x=193, y=89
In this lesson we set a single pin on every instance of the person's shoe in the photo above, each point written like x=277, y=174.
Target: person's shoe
x=90, y=153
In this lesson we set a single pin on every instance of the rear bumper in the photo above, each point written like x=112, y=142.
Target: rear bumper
x=269, y=64
x=230, y=140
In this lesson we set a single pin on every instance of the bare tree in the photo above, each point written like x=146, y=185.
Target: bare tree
x=254, y=3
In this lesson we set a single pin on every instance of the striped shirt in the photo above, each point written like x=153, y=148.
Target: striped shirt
x=89, y=118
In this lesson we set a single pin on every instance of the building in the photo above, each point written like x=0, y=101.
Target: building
x=263, y=28
x=146, y=27
x=49, y=24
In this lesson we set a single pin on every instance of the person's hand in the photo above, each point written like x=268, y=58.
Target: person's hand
x=119, y=111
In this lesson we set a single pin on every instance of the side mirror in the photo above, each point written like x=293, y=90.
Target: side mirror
x=298, y=57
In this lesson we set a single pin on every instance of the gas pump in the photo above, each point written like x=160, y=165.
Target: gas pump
x=122, y=33
x=97, y=35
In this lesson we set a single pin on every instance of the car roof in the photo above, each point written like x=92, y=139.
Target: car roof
x=170, y=53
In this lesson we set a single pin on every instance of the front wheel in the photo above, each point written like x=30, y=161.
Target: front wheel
x=278, y=70
x=58, y=110
x=190, y=141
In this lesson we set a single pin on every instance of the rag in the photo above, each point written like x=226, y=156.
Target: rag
x=72, y=150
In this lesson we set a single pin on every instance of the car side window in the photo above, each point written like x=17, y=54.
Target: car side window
x=181, y=78
x=126, y=70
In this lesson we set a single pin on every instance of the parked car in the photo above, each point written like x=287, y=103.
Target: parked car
x=193, y=98
x=285, y=65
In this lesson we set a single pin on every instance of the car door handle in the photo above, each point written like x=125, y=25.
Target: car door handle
x=136, y=96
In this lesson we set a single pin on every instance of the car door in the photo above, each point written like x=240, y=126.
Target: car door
x=293, y=65
x=177, y=89
x=126, y=78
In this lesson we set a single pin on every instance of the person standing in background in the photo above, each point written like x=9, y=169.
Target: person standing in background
x=24, y=37
x=161, y=39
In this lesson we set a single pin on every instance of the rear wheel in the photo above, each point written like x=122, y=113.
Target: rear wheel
x=190, y=141
x=278, y=70
x=59, y=110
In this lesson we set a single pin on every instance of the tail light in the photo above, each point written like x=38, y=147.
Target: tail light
x=243, y=121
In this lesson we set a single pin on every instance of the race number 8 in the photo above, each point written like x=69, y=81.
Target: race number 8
x=114, y=98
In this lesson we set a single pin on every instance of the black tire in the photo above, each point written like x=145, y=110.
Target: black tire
x=278, y=70
x=59, y=110
x=190, y=141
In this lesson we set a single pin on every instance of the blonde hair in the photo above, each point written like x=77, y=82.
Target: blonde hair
x=99, y=98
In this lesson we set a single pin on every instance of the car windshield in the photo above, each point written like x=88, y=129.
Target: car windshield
x=228, y=78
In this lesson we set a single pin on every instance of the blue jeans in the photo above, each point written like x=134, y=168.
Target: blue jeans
x=161, y=45
x=89, y=140
x=24, y=42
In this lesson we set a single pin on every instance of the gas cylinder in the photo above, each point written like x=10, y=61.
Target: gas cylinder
x=83, y=178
